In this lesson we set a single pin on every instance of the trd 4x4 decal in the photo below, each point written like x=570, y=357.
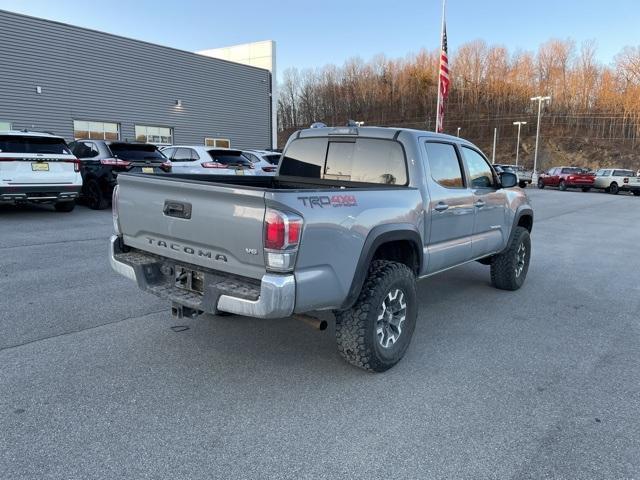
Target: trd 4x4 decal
x=322, y=201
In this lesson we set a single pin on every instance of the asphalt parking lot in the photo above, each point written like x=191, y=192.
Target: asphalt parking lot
x=539, y=383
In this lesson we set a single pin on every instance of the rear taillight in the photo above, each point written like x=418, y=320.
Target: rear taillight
x=213, y=165
x=8, y=159
x=76, y=164
x=114, y=211
x=269, y=169
x=166, y=166
x=115, y=162
x=570, y=177
x=282, y=233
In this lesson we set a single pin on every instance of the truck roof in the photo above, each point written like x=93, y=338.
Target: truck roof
x=375, y=132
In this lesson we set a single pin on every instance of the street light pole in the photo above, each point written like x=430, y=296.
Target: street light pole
x=495, y=137
x=538, y=99
x=458, y=134
x=518, y=142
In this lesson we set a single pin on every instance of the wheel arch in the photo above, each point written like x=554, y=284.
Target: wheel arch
x=522, y=218
x=397, y=242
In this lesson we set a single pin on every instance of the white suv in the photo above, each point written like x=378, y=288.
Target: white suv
x=38, y=167
x=207, y=160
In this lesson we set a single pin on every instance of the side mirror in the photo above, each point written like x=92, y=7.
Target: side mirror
x=508, y=179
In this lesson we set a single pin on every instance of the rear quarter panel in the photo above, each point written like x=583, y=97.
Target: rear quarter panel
x=335, y=232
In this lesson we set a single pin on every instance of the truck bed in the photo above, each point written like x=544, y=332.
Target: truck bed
x=264, y=182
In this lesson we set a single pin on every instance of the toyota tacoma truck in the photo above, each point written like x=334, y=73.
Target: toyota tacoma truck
x=350, y=223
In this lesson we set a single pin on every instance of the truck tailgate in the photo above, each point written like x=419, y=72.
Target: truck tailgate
x=211, y=225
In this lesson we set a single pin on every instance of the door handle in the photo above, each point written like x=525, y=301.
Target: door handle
x=176, y=209
x=479, y=204
x=441, y=207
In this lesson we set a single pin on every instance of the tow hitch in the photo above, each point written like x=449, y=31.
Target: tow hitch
x=180, y=311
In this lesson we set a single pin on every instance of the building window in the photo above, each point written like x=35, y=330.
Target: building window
x=83, y=130
x=5, y=126
x=155, y=135
x=217, y=142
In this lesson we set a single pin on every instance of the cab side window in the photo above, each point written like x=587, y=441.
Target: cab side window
x=480, y=172
x=444, y=165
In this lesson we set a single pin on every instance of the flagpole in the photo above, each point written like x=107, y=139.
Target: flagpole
x=439, y=60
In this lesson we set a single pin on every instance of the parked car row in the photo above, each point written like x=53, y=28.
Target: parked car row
x=610, y=180
x=43, y=168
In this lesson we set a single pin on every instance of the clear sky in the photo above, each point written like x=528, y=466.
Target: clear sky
x=314, y=33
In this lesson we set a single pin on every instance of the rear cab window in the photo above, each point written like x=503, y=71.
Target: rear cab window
x=33, y=144
x=623, y=173
x=360, y=160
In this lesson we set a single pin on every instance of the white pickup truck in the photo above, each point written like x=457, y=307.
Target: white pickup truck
x=615, y=180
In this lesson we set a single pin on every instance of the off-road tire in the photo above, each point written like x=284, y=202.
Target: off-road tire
x=503, y=268
x=614, y=189
x=356, y=328
x=586, y=189
x=540, y=184
x=95, y=196
x=65, y=206
x=562, y=186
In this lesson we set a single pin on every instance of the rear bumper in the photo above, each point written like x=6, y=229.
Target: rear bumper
x=271, y=297
x=39, y=193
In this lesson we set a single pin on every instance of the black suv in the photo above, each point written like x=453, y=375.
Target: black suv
x=102, y=160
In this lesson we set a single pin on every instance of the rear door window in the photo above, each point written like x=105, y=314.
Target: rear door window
x=29, y=144
x=444, y=165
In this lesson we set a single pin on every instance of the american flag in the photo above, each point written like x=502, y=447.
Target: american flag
x=443, y=80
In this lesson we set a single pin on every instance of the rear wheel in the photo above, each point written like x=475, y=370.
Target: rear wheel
x=563, y=186
x=540, y=184
x=95, y=196
x=65, y=206
x=509, y=268
x=636, y=193
x=586, y=189
x=375, y=333
x=522, y=184
x=614, y=189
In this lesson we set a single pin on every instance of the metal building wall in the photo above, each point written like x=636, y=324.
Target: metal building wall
x=90, y=75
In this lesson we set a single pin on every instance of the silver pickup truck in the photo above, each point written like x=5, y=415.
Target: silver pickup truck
x=354, y=217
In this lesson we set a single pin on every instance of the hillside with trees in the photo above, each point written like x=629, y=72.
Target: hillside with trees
x=592, y=120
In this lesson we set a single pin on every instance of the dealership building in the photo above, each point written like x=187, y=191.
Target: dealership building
x=81, y=83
